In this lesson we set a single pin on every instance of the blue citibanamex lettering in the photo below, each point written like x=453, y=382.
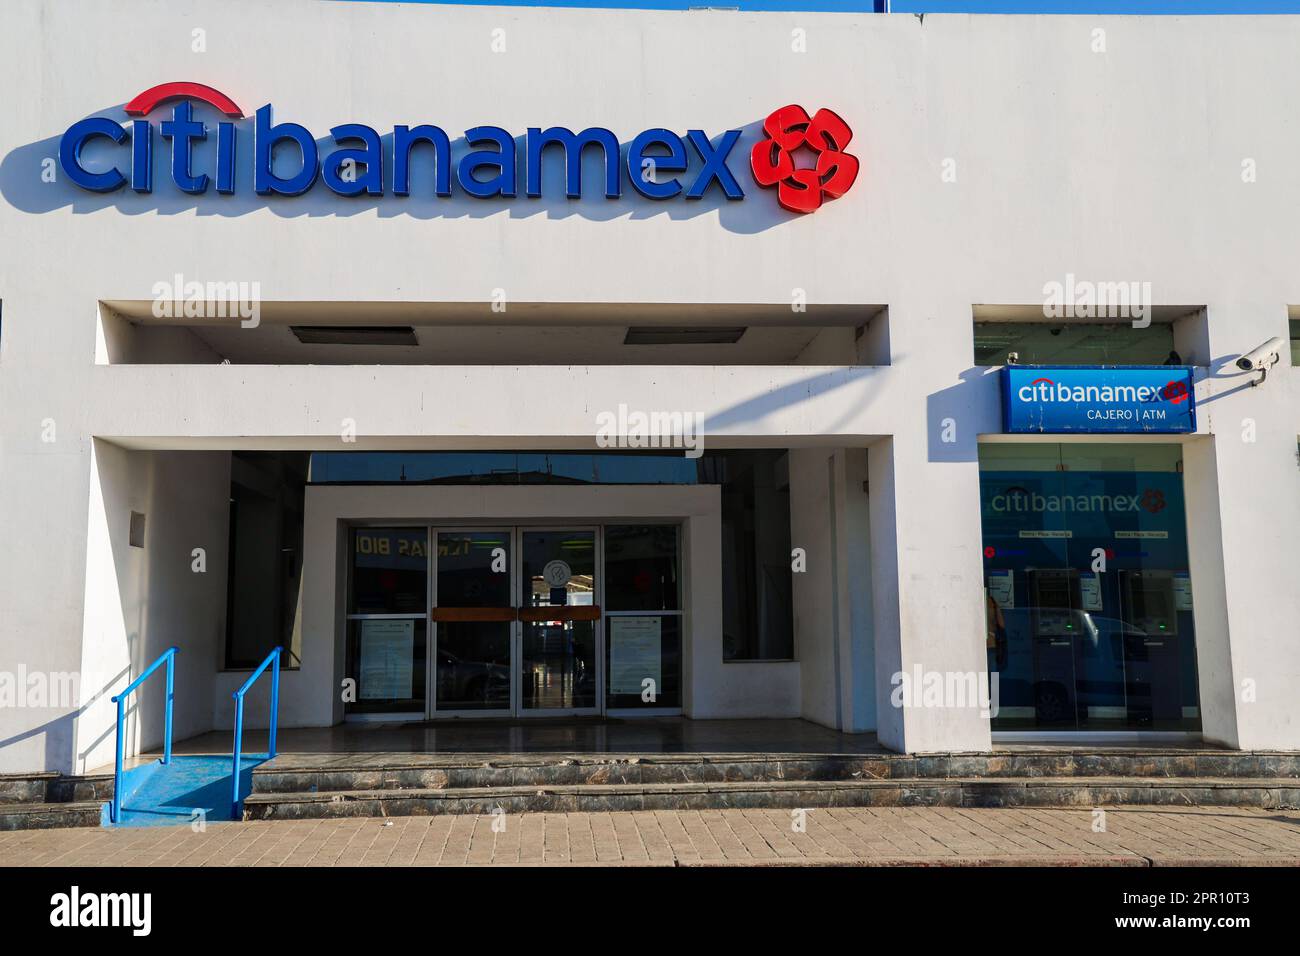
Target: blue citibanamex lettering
x=101, y=154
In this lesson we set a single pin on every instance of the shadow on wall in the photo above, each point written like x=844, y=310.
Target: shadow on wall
x=143, y=598
x=58, y=739
x=25, y=170
x=1222, y=368
x=59, y=733
x=747, y=415
x=955, y=416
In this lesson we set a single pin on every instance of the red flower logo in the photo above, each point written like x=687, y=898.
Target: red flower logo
x=1153, y=500
x=1175, y=392
x=826, y=135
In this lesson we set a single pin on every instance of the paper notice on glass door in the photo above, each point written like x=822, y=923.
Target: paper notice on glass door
x=635, y=654
x=387, y=649
x=1002, y=587
x=1090, y=590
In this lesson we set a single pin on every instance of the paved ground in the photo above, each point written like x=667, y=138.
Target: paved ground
x=880, y=836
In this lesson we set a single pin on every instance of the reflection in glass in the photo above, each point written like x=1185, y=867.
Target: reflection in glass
x=1065, y=343
x=757, y=588
x=386, y=656
x=387, y=660
x=640, y=648
x=1089, y=597
x=472, y=669
x=389, y=570
x=474, y=569
x=557, y=666
x=641, y=568
x=473, y=665
x=757, y=602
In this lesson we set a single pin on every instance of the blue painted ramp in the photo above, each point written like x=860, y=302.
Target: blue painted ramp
x=158, y=794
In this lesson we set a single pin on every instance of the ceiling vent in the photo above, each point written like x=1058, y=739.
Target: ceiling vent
x=679, y=335
x=354, y=334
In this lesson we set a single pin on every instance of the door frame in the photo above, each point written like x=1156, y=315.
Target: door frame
x=515, y=531
x=598, y=626
x=431, y=658
x=332, y=510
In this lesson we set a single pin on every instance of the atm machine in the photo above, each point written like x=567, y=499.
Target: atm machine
x=1151, y=651
x=1054, y=601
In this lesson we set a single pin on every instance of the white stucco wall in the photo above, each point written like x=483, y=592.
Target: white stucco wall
x=142, y=600
x=1122, y=165
x=829, y=522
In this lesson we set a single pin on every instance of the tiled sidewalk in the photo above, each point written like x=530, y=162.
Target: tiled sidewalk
x=885, y=836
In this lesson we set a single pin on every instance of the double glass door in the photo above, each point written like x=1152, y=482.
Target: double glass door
x=515, y=622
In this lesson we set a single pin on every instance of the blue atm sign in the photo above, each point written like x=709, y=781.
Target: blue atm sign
x=1039, y=399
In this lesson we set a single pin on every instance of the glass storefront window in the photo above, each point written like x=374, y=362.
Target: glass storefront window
x=264, y=573
x=640, y=648
x=387, y=625
x=1074, y=343
x=503, y=468
x=389, y=571
x=757, y=587
x=1088, y=595
x=643, y=636
x=386, y=658
x=641, y=568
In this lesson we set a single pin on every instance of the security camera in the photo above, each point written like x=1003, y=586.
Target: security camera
x=1262, y=358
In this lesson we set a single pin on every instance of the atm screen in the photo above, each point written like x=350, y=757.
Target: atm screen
x=1151, y=604
x=1054, y=591
x=1055, y=599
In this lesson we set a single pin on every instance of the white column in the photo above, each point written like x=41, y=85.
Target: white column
x=925, y=531
x=829, y=523
x=928, y=596
x=1243, y=516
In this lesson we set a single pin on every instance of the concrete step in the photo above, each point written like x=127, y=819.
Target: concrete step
x=54, y=787
x=953, y=792
x=26, y=787
x=44, y=816
x=304, y=773
x=32, y=801
x=83, y=787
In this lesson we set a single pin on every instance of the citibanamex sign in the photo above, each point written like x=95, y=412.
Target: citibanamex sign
x=288, y=159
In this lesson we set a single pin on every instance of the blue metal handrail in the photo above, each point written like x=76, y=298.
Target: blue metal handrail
x=239, y=720
x=169, y=656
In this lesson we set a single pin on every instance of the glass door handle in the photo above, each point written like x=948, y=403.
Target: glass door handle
x=583, y=612
x=472, y=614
